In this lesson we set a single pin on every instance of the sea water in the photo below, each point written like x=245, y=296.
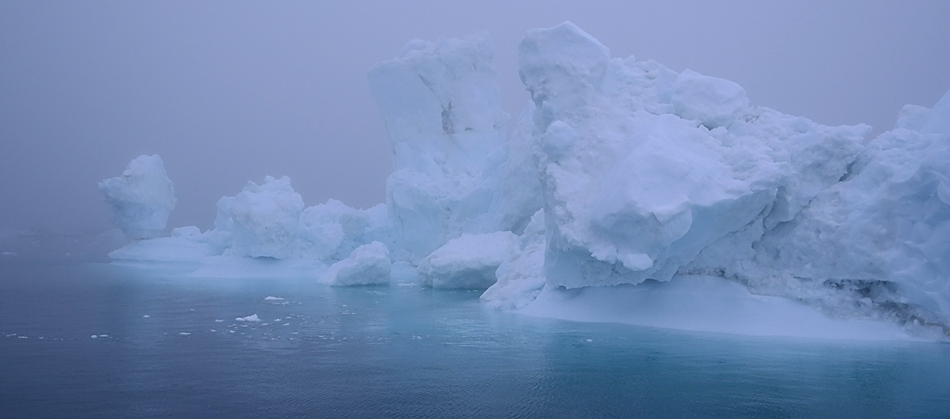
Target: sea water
x=99, y=340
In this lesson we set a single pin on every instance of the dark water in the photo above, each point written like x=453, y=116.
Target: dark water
x=403, y=351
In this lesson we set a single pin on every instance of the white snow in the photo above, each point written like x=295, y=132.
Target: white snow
x=141, y=198
x=367, y=265
x=468, y=262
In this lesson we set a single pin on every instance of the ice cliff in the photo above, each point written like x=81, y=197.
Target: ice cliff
x=619, y=172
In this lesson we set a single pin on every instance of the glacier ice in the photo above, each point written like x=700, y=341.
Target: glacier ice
x=141, y=198
x=620, y=175
x=368, y=264
x=442, y=110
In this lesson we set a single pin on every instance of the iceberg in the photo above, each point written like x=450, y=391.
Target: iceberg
x=623, y=181
x=141, y=198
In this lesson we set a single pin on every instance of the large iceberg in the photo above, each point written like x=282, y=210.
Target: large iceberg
x=620, y=173
x=141, y=198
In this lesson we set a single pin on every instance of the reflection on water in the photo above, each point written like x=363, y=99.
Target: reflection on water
x=403, y=351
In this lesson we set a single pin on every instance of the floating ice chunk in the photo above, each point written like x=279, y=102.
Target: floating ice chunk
x=251, y=318
x=219, y=320
x=141, y=198
x=146, y=316
x=184, y=333
x=469, y=261
x=94, y=337
x=272, y=298
x=367, y=265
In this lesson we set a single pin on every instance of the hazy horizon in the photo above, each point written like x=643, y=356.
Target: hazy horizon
x=228, y=92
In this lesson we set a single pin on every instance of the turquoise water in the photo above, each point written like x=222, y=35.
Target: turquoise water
x=403, y=351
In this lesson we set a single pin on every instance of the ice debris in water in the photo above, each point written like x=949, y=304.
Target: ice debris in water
x=251, y=318
x=272, y=298
x=619, y=171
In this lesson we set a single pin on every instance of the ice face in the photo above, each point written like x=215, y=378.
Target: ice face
x=141, y=198
x=643, y=168
x=442, y=110
x=367, y=265
x=468, y=261
x=879, y=235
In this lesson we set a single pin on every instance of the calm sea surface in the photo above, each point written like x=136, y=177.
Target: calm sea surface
x=97, y=340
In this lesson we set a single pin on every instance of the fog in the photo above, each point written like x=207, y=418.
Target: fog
x=231, y=91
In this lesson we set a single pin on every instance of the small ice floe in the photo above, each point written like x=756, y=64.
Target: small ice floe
x=23, y=337
x=9, y=253
x=11, y=335
x=272, y=298
x=251, y=318
x=286, y=324
x=219, y=320
x=184, y=333
x=146, y=316
x=213, y=331
x=277, y=320
x=103, y=336
x=94, y=337
x=590, y=340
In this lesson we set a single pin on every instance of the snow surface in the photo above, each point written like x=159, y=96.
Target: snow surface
x=141, y=198
x=649, y=189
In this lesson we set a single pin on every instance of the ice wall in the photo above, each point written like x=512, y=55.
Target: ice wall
x=141, y=198
x=881, y=236
x=442, y=110
x=642, y=168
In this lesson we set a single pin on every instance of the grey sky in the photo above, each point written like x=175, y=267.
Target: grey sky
x=231, y=91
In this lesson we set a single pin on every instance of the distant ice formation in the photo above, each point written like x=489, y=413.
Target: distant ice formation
x=141, y=198
x=619, y=172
